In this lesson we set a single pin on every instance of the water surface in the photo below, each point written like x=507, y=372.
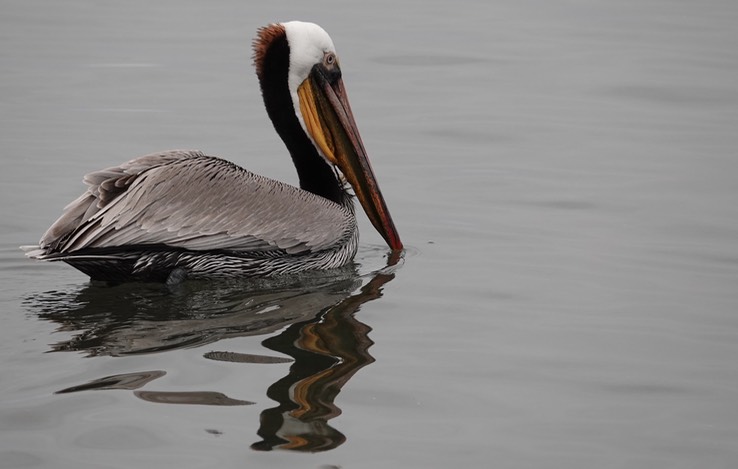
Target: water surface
x=563, y=174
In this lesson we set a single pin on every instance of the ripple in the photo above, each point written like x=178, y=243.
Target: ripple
x=128, y=381
x=190, y=397
x=236, y=357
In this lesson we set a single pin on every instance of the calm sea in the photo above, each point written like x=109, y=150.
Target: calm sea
x=563, y=173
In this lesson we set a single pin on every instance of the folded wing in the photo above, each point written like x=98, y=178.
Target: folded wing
x=184, y=199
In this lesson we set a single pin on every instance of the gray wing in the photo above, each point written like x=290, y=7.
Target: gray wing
x=188, y=200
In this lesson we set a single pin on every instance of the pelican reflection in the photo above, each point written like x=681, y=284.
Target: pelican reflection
x=328, y=350
x=316, y=317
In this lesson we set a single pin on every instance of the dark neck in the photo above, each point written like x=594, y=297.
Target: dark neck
x=315, y=174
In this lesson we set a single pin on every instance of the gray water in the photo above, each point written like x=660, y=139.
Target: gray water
x=563, y=173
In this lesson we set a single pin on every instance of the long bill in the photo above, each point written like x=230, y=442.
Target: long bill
x=330, y=122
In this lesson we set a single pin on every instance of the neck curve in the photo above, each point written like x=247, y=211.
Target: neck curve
x=273, y=62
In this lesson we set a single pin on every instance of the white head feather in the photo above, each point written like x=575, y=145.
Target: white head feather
x=308, y=44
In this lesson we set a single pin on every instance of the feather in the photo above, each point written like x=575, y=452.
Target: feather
x=186, y=200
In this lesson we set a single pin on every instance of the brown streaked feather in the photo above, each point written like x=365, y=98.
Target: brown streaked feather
x=187, y=200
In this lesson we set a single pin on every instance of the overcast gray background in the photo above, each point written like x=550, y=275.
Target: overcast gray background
x=563, y=174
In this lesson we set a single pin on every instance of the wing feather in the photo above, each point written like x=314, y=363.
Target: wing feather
x=187, y=200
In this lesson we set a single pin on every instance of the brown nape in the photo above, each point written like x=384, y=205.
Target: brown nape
x=265, y=36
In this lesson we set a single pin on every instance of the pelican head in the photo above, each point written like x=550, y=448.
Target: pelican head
x=300, y=78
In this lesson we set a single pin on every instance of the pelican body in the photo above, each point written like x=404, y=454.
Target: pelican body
x=182, y=214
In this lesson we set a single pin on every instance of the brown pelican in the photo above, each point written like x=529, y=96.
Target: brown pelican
x=181, y=214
